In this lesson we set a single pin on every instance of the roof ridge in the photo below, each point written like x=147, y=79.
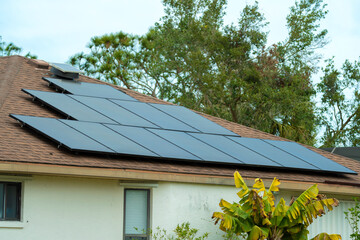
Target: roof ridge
x=11, y=56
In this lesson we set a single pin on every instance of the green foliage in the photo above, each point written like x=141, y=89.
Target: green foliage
x=232, y=236
x=191, y=58
x=110, y=58
x=257, y=216
x=305, y=35
x=353, y=218
x=8, y=49
x=340, y=110
x=182, y=232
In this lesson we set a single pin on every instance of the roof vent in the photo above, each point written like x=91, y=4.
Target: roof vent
x=65, y=70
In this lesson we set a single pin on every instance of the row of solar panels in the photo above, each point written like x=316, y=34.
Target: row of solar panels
x=133, y=113
x=87, y=89
x=167, y=144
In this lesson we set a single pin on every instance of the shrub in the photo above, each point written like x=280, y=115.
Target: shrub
x=257, y=216
x=353, y=217
x=182, y=232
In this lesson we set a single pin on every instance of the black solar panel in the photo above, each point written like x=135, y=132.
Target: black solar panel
x=153, y=142
x=63, y=134
x=154, y=115
x=109, y=138
x=275, y=154
x=194, y=146
x=193, y=119
x=88, y=89
x=113, y=111
x=243, y=154
x=310, y=156
x=69, y=106
x=66, y=68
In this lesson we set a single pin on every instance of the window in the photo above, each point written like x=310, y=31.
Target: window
x=10, y=194
x=136, y=214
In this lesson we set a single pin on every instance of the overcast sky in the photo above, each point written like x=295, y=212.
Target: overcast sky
x=55, y=30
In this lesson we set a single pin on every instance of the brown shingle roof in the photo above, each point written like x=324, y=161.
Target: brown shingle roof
x=22, y=145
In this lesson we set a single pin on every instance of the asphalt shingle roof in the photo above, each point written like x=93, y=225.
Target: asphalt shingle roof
x=25, y=146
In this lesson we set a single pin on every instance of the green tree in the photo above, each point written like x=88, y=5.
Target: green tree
x=191, y=58
x=8, y=49
x=340, y=109
x=257, y=216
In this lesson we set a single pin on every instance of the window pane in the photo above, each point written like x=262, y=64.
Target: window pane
x=2, y=200
x=136, y=211
x=11, y=208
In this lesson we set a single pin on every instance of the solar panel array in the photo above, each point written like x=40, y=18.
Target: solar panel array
x=109, y=121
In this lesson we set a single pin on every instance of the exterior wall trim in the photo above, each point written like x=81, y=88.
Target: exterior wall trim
x=141, y=176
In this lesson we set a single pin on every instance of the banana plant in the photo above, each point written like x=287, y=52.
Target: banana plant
x=257, y=216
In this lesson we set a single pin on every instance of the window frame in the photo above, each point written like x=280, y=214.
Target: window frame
x=19, y=201
x=133, y=236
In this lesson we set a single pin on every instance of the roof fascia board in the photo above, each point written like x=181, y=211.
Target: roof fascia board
x=137, y=175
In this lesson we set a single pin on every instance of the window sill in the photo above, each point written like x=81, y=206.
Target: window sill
x=11, y=224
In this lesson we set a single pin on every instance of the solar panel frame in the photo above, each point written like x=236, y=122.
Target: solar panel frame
x=59, y=132
x=69, y=106
x=88, y=89
x=309, y=156
x=193, y=119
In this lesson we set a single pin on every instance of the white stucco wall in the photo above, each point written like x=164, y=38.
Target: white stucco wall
x=69, y=208
x=175, y=203
x=60, y=208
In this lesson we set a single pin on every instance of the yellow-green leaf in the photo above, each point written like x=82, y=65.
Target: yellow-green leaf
x=240, y=183
x=224, y=203
x=325, y=236
x=256, y=234
x=259, y=184
x=274, y=185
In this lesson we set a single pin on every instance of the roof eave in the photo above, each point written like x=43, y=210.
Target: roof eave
x=138, y=175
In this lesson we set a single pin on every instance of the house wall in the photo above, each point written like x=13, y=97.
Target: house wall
x=68, y=208
x=75, y=208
